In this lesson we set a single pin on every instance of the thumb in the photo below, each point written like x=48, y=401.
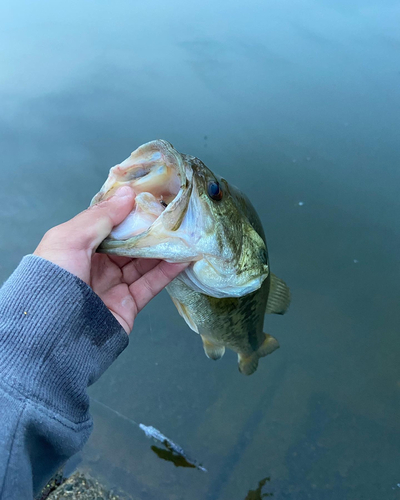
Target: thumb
x=89, y=228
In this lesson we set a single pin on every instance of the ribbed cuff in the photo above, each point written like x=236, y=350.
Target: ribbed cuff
x=56, y=336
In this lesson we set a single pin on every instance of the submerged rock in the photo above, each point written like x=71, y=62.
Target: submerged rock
x=83, y=487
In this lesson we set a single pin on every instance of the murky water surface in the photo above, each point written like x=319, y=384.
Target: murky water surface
x=297, y=103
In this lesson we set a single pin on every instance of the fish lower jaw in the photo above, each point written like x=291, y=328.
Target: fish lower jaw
x=147, y=247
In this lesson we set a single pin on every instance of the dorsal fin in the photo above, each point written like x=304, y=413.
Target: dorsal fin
x=279, y=296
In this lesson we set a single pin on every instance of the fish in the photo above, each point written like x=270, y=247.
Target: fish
x=185, y=213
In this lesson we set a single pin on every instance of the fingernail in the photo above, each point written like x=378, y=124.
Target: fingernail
x=123, y=191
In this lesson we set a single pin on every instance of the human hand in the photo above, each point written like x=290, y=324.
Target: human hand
x=125, y=285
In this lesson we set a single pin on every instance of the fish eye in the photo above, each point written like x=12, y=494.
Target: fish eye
x=214, y=191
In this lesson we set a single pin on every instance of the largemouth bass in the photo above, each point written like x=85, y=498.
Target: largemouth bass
x=186, y=213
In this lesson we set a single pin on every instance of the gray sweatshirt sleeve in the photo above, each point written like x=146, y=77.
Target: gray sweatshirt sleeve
x=56, y=338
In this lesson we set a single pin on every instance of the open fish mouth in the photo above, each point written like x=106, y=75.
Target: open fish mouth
x=156, y=175
x=155, y=186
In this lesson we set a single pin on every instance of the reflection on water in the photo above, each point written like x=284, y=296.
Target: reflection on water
x=178, y=452
x=170, y=456
x=299, y=103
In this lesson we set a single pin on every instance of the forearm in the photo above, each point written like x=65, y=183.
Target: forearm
x=56, y=338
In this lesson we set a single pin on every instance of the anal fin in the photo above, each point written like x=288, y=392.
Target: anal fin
x=213, y=351
x=249, y=364
x=279, y=296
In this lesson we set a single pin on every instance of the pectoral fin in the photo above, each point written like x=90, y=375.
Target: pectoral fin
x=183, y=311
x=249, y=364
x=212, y=350
x=279, y=296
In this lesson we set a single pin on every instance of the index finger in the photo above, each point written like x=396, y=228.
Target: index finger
x=151, y=283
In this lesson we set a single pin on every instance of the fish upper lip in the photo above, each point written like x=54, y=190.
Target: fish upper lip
x=169, y=155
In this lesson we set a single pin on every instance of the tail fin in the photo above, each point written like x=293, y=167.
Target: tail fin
x=249, y=364
x=279, y=296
